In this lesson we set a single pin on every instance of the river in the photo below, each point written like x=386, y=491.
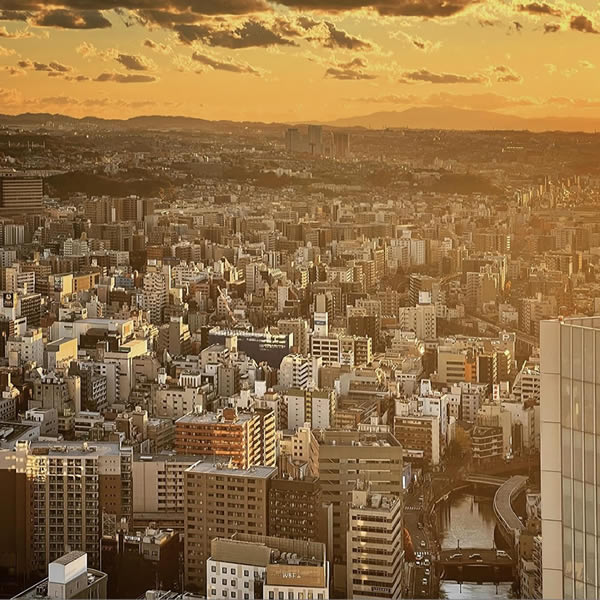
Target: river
x=468, y=521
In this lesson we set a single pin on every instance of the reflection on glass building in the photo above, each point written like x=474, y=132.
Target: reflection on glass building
x=570, y=463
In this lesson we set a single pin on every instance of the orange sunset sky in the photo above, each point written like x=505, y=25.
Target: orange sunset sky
x=298, y=59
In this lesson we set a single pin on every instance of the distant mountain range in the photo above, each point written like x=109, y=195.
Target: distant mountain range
x=459, y=118
x=413, y=118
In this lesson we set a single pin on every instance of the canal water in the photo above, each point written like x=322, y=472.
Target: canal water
x=468, y=521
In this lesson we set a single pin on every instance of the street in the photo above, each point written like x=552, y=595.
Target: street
x=422, y=583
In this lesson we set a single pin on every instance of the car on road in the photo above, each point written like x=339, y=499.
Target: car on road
x=424, y=581
x=456, y=556
x=423, y=544
x=420, y=525
x=427, y=571
x=502, y=554
x=426, y=562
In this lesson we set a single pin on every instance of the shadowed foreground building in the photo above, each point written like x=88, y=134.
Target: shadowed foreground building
x=69, y=577
x=221, y=501
x=344, y=458
x=248, y=567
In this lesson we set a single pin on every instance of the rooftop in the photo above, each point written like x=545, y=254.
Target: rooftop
x=76, y=449
x=210, y=468
x=216, y=417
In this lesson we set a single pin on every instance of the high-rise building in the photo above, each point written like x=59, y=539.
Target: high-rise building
x=421, y=319
x=315, y=139
x=158, y=482
x=344, y=457
x=375, y=546
x=219, y=502
x=570, y=433
x=77, y=490
x=156, y=293
x=20, y=193
x=245, y=438
x=296, y=510
x=341, y=144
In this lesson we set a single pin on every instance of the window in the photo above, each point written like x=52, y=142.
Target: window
x=233, y=594
x=224, y=581
x=213, y=568
x=280, y=595
x=224, y=570
x=271, y=595
x=213, y=592
x=232, y=570
x=213, y=580
x=224, y=593
x=246, y=596
x=290, y=595
x=246, y=584
x=246, y=573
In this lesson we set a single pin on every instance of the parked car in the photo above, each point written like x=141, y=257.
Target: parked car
x=456, y=556
x=475, y=556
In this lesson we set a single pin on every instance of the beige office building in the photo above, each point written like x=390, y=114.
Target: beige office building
x=158, y=484
x=375, y=546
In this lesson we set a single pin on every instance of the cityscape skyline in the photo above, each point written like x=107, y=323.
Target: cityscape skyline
x=120, y=59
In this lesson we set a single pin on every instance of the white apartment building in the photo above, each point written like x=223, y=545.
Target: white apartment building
x=421, y=319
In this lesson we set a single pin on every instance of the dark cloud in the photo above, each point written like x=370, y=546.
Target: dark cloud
x=60, y=68
x=405, y=8
x=55, y=67
x=350, y=71
x=124, y=78
x=583, y=24
x=14, y=15
x=307, y=22
x=72, y=19
x=505, y=74
x=251, y=33
x=551, y=27
x=540, y=8
x=132, y=62
x=192, y=33
x=347, y=74
x=198, y=7
x=429, y=77
x=337, y=38
x=219, y=65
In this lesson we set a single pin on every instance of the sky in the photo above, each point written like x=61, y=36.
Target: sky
x=297, y=60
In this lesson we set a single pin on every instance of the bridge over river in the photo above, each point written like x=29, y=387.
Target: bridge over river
x=476, y=565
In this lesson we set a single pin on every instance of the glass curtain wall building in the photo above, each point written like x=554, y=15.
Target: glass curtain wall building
x=570, y=464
